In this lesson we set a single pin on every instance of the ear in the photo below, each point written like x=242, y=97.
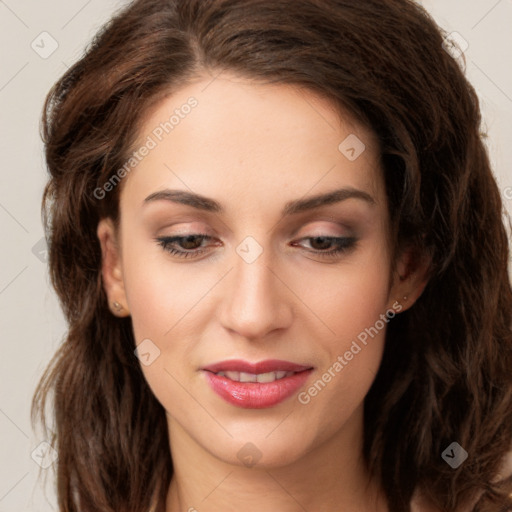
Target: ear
x=410, y=277
x=111, y=268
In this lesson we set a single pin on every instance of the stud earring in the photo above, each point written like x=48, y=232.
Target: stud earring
x=117, y=306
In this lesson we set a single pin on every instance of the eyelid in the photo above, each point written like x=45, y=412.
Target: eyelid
x=189, y=228
x=338, y=230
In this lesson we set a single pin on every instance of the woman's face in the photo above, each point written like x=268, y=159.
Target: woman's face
x=247, y=174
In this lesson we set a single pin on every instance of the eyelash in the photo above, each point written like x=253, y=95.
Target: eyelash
x=343, y=245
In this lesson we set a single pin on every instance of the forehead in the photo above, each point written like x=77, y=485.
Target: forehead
x=228, y=137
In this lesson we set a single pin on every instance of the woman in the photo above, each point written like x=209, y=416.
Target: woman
x=278, y=242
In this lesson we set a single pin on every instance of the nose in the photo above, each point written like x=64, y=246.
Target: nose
x=256, y=298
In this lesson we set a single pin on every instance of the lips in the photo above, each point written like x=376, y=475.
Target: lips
x=256, y=385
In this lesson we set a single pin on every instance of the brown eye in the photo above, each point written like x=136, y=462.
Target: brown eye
x=321, y=245
x=184, y=246
x=190, y=242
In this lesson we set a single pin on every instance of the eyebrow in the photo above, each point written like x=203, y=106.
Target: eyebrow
x=292, y=207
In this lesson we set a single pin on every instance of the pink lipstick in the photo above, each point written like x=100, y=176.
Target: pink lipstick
x=256, y=385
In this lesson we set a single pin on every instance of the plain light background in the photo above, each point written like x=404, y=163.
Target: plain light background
x=31, y=324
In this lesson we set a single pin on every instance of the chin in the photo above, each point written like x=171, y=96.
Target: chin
x=257, y=449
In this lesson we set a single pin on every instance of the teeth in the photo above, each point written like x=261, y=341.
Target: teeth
x=251, y=377
x=233, y=376
x=247, y=377
x=268, y=377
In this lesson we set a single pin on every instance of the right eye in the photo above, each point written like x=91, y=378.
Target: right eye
x=190, y=244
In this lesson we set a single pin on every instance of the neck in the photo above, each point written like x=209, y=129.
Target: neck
x=329, y=477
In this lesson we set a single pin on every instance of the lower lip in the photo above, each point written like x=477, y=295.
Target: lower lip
x=256, y=395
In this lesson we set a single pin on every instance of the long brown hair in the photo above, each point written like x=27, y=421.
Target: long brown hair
x=446, y=374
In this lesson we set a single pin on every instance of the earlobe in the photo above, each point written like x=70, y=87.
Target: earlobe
x=111, y=268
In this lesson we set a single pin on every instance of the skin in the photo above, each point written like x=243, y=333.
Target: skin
x=252, y=148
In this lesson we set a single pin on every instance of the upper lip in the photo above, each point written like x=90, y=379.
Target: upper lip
x=269, y=365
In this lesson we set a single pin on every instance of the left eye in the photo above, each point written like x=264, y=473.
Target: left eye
x=341, y=245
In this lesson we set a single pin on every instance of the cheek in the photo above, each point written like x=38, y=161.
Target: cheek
x=161, y=299
x=353, y=303
x=165, y=300
x=354, y=295
x=159, y=293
